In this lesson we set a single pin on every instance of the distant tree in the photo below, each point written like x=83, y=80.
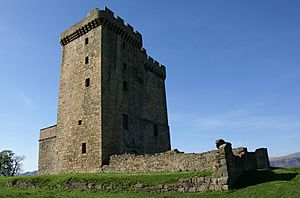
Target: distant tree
x=6, y=162
x=10, y=164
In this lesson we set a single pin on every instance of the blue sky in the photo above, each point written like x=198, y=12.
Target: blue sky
x=233, y=69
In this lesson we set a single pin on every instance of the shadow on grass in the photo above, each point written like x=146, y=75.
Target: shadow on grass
x=261, y=176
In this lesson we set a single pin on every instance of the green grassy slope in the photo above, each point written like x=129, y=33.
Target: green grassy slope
x=262, y=183
x=123, y=181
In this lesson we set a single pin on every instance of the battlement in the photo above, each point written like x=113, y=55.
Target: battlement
x=153, y=66
x=106, y=18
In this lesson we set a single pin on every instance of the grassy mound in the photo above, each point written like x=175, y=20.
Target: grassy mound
x=262, y=183
x=85, y=180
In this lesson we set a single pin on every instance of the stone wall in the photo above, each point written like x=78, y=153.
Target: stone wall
x=173, y=161
x=226, y=164
x=170, y=161
x=47, y=158
x=239, y=161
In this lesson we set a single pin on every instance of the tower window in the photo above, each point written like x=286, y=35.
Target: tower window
x=155, y=130
x=86, y=41
x=86, y=60
x=125, y=121
x=125, y=85
x=83, y=148
x=124, y=66
x=124, y=45
x=87, y=82
x=79, y=122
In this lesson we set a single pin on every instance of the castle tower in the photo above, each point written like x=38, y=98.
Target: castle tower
x=111, y=100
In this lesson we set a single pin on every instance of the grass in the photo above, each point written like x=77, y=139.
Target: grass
x=262, y=183
x=126, y=181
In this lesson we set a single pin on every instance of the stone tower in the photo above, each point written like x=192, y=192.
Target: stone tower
x=111, y=100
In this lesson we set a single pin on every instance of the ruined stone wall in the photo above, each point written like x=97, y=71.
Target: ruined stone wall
x=239, y=161
x=226, y=164
x=169, y=161
x=173, y=161
x=47, y=158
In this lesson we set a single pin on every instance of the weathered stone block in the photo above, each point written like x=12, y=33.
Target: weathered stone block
x=192, y=189
x=223, y=181
x=207, y=179
x=225, y=187
x=203, y=188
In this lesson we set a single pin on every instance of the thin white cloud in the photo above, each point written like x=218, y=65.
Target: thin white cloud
x=240, y=118
x=24, y=98
x=249, y=122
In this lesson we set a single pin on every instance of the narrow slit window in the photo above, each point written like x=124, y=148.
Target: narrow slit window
x=86, y=41
x=87, y=82
x=125, y=121
x=155, y=130
x=79, y=122
x=125, y=85
x=124, y=45
x=86, y=60
x=124, y=66
x=83, y=148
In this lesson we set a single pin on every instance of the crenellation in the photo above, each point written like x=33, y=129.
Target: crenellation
x=153, y=66
x=144, y=51
x=120, y=20
x=130, y=27
x=102, y=17
x=109, y=12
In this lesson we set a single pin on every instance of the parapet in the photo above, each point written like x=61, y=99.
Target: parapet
x=106, y=18
x=153, y=66
x=48, y=133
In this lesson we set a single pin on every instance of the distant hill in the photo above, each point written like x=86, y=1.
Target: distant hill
x=292, y=160
x=32, y=173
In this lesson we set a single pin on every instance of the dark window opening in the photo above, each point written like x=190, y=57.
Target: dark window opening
x=83, y=148
x=124, y=66
x=86, y=60
x=125, y=121
x=124, y=45
x=79, y=122
x=125, y=85
x=86, y=41
x=87, y=82
x=155, y=131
